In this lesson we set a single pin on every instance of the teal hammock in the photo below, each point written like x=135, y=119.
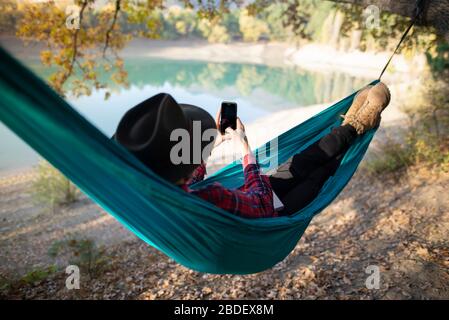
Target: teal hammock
x=191, y=231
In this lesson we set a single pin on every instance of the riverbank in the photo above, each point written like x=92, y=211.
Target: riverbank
x=315, y=57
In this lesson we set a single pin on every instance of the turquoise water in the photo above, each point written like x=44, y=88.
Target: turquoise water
x=258, y=90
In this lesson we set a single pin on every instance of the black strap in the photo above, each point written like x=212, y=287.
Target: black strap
x=418, y=12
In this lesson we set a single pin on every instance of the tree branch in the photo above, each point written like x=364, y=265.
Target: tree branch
x=111, y=28
x=75, y=44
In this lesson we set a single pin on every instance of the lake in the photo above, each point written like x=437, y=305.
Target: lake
x=258, y=90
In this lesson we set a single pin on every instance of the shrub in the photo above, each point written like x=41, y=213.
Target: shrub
x=52, y=188
x=213, y=31
x=391, y=157
x=251, y=27
x=82, y=252
x=218, y=34
x=178, y=22
x=38, y=275
x=5, y=286
x=425, y=140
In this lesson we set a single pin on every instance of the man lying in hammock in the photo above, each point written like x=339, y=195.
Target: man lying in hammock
x=148, y=129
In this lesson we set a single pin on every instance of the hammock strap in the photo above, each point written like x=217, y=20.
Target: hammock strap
x=418, y=12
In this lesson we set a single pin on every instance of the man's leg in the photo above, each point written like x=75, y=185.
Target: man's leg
x=307, y=189
x=323, y=151
x=313, y=162
x=300, y=180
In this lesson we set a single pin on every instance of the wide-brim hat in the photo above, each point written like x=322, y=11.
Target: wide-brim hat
x=149, y=131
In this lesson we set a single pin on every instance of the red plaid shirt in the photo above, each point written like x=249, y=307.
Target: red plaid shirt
x=253, y=200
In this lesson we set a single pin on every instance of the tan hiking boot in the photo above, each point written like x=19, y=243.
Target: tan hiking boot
x=368, y=116
x=357, y=103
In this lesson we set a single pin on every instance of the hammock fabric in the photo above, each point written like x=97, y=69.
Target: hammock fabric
x=193, y=232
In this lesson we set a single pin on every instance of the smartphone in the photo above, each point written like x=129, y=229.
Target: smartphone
x=228, y=116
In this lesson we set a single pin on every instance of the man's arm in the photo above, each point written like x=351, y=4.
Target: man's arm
x=255, y=198
x=197, y=175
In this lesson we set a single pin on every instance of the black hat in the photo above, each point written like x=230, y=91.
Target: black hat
x=145, y=131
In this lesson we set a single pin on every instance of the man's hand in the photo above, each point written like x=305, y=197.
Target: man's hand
x=217, y=120
x=238, y=137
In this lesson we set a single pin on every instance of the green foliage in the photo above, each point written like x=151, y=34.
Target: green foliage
x=218, y=34
x=141, y=18
x=38, y=275
x=251, y=27
x=316, y=27
x=230, y=21
x=438, y=59
x=274, y=17
x=391, y=157
x=52, y=188
x=82, y=252
x=179, y=22
x=394, y=156
x=5, y=286
x=213, y=31
x=429, y=134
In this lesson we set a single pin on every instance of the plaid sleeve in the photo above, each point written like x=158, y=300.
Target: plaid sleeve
x=197, y=175
x=253, y=200
x=255, y=182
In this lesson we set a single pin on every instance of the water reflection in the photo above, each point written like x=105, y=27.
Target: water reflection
x=293, y=85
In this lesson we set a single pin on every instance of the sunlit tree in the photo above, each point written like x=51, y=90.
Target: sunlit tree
x=84, y=41
x=252, y=28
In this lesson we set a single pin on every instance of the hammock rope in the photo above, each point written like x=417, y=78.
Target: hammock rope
x=419, y=10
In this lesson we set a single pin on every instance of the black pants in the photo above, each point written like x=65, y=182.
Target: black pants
x=299, y=180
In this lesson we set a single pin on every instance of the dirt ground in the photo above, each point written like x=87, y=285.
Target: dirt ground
x=398, y=223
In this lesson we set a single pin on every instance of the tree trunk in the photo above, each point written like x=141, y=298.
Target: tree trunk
x=436, y=12
x=356, y=37
x=335, y=35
